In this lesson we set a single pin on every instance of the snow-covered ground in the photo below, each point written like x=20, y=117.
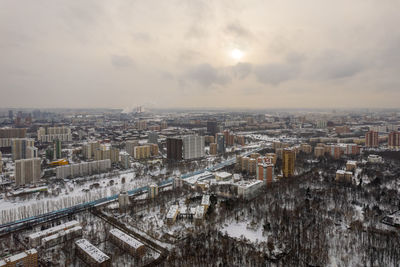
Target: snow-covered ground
x=72, y=194
x=241, y=229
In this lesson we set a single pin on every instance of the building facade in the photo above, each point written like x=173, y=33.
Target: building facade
x=288, y=162
x=371, y=139
x=174, y=148
x=193, y=147
x=394, y=140
x=27, y=171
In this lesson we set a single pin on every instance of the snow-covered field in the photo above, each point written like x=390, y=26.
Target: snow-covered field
x=240, y=229
x=72, y=194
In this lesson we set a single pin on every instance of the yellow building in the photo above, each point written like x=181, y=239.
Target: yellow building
x=142, y=152
x=154, y=149
x=288, y=160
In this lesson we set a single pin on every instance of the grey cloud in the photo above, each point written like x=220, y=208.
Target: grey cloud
x=336, y=65
x=119, y=61
x=242, y=70
x=276, y=73
x=195, y=32
x=142, y=37
x=237, y=30
x=206, y=75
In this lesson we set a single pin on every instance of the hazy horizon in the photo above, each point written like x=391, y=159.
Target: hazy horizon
x=199, y=54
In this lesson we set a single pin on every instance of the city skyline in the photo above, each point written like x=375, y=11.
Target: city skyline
x=196, y=54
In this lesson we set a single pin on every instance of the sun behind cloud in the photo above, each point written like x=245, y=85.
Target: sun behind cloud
x=236, y=54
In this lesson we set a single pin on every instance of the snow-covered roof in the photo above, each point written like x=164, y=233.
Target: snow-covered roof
x=249, y=183
x=199, y=212
x=172, y=211
x=61, y=233
x=18, y=256
x=127, y=239
x=95, y=253
x=54, y=229
x=205, y=200
x=223, y=175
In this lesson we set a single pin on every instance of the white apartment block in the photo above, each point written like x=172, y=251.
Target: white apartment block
x=193, y=146
x=53, y=133
x=83, y=169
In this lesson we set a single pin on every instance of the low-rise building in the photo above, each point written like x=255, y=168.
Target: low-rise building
x=35, y=239
x=375, y=159
x=342, y=175
x=82, y=169
x=91, y=255
x=249, y=189
x=351, y=165
x=205, y=202
x=172, y=214
x=61, y=236
x=127, y=243
x=28, y=258
x=221, y=176
x=199, y=215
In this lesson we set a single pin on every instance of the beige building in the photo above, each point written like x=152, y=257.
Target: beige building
x=305, y=148
x=351, y=165
x=54, y=133
x=342, y=175
x=213, y=149
x=252, y=166
x=319, y=151
x=107, y=152
x=89, y=149
x=19, y=148
x=27, y=171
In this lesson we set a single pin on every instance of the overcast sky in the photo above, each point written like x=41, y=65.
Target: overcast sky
x=178, y=53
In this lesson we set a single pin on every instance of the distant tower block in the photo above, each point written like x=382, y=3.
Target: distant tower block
x=123, y=200
x=153, y=191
